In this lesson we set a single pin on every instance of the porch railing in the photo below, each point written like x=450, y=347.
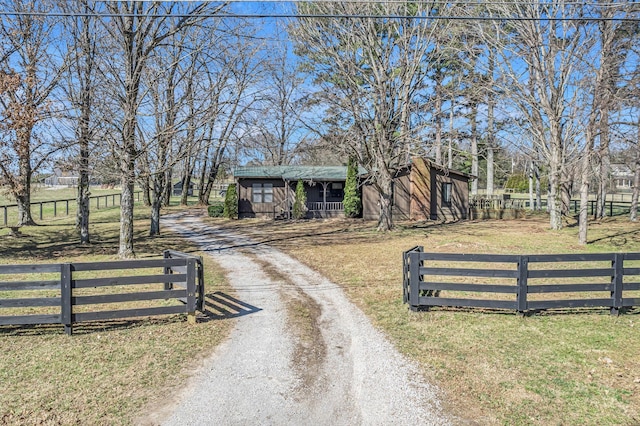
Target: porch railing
x=328, y=206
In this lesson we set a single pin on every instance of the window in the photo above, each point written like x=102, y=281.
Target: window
x=262, y=193
x=447, y=187
x=336, y=190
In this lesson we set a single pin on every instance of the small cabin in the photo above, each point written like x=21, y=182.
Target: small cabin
x=423, y=190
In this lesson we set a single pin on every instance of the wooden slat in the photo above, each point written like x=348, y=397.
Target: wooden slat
x=29, y=269
x=568, y=288
x=570, y=273
x=128, y=313
x=630, y=286
x=472, y=303
x=29, y=302
x=584, y=257
x=632, y=256
x=489, y=288
x=130, y=280
x=30, y=285
x=128, y=297
x=462, y=272
x=128, y=264
x=575, y=303
x=631, y=271
x=29, y=319
x=452, y=257
x=631, y=301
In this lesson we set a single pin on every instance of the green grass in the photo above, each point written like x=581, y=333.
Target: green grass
x=559, y=367
x=109, y=372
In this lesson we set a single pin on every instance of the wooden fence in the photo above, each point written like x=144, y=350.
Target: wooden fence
x=521, y=283
x=71, y=293
x=477, y=204
x=61, y=207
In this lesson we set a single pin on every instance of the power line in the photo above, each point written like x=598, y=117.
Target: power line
x=227, y=15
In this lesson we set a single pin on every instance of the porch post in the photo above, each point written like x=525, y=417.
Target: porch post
x=324, y=196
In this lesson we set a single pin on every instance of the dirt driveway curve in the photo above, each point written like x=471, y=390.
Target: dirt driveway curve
x=304, y=355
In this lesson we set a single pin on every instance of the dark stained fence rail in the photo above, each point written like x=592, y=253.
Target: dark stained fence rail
x=60, y=288
x=523, y=283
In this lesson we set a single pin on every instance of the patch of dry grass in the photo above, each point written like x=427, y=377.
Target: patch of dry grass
x=107, y=372
x=557, y=367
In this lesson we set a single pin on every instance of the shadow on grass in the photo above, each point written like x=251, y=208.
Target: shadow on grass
x=218, y=306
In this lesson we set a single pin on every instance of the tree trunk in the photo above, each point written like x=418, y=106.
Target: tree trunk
x=23, y=192
x=633, y=215
x=585, y=179
x=438, y=117
x=538, y=188
x=531, y=204
x=474, y=149
x=186, y=179
x=554, y=204
x=82, y=218
x=167, y=188
x=490, y=125
x=209, y=186
x=385, y=196
x=605, y=163
x=127, y=169
x=146, y=191
x=566, y=192
x=125, y=249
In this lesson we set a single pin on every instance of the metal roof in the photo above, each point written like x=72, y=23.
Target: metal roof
x=319, y=173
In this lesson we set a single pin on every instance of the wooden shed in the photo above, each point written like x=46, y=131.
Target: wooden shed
x=423, y=190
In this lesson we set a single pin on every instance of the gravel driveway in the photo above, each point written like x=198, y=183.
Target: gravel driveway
x=303, y=354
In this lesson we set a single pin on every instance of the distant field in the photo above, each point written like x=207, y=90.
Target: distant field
x=44, y=208
x=568, y=367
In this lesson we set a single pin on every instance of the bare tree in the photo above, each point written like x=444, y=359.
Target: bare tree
x=539, y=60
x=136, y=30
x=80, y=90
x=29, y=72
x=370, y=71
x=231, y=94
x=277, y=114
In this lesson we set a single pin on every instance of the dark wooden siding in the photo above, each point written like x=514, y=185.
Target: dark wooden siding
x=459, y=207
x=246, y=208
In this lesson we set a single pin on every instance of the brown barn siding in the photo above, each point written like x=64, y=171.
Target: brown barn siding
x=247, y=209
x=402, y=196
x=370, y=207
x=420, y=190
x=459, y=196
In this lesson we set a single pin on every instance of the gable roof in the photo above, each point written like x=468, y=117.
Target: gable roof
x=319, y=173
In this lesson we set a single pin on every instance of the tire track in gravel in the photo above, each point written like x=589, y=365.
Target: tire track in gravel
x=354, y=375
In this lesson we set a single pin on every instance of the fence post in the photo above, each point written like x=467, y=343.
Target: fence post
x=201, y=290
x=67, y=208
x=523, y=273
x=66, y=311
x=191, y=290
x=611, y=209
x=98, y=202
x=55, y=208
x=40, y=211
x=414, y=280
x=167, y=270
x=617, y=265
x=5, y=216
